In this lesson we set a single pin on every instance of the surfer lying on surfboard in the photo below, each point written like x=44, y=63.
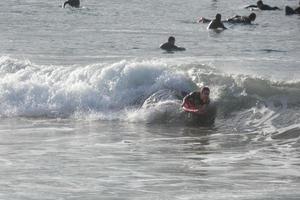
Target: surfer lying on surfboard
x=196, y=102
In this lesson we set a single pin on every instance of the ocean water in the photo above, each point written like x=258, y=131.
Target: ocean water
x=89, y=105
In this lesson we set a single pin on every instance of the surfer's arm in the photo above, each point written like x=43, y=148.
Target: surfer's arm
x=187, y=98
x=276, y=8
x=251, y=6
x=204, y=20
x=233, y=18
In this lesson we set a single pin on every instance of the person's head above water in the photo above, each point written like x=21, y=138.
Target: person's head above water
x=204, y=94
x=252, y=16
x=170, y=45
x=171, y=40
x=73, y=3
x=259, y=3
x=218, y=17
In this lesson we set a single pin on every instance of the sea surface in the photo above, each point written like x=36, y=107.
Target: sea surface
x=90, y=107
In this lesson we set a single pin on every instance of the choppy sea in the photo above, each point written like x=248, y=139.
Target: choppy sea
x=89, y=106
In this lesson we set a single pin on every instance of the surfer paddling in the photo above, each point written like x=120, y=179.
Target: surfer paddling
x=197, y=101
x=170, y=45
x=237, y=19
x=261, y=6
x=216, y=23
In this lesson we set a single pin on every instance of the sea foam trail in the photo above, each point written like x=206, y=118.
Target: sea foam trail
x=129, y=90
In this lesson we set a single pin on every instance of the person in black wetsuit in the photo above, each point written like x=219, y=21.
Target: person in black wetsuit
x=242, y=19
x=170, y=45
x=291, y=11
x=261, y=6
x=73, y=3
x=237, y=19
x=216, y=23
x=199, y=98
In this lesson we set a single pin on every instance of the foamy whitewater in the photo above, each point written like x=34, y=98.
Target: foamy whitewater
x=90, y=107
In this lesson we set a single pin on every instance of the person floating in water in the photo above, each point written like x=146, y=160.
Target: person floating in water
x=216, y=23
x=242, y=19
x=73, y=3
x=199, y=99
x=170, y=45
x=291, y=11
x=261, y=6
x=235, y=19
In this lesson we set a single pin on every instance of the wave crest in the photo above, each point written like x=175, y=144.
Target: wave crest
x=112, y=90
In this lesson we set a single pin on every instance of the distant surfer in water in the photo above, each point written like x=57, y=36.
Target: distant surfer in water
x=291, y=11
x=216, y=23
x=199, y=100
x=73, y=3
x=237, y=19
x=261, y=6
x=170, y=45
x=242, y=19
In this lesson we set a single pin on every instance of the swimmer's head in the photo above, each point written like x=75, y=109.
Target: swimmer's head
x=204, y=89
x=259, y=3
x=171, y=40
x=218, y=17
x=204, y=94
x=252, y=16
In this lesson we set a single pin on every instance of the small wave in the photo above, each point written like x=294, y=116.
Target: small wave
x=273, y=50
x=130, y=90
x=31, y=90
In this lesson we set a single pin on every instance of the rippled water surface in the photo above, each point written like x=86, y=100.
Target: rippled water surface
x=90, y=106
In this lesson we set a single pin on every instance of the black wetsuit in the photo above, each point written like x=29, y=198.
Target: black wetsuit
x=171, y=47
x=73, y=3
x=291, y=11
x=215, y=24
x=267, y=7
x=263, y=7
x=243, y=20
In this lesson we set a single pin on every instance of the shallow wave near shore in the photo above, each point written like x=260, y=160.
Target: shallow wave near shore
x=148, y=91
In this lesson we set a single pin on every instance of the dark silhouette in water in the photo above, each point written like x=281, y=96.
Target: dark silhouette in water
x=242, y=19
x=237, y=19
x=170, y=45
x=261, y=6
x=73, y=3
x=291, y=11
x=216, y=23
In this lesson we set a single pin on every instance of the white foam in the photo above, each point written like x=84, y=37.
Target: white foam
x=118, y=90
x=30, y=90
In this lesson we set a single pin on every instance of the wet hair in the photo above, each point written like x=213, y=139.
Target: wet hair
x=204, y=88
x=171, y=38
x=252, y=16
x=259, y=2
x=218, y=16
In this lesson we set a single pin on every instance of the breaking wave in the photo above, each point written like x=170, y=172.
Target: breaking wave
x=149, y=90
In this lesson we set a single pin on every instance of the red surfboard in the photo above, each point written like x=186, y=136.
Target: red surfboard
x=189, y=107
